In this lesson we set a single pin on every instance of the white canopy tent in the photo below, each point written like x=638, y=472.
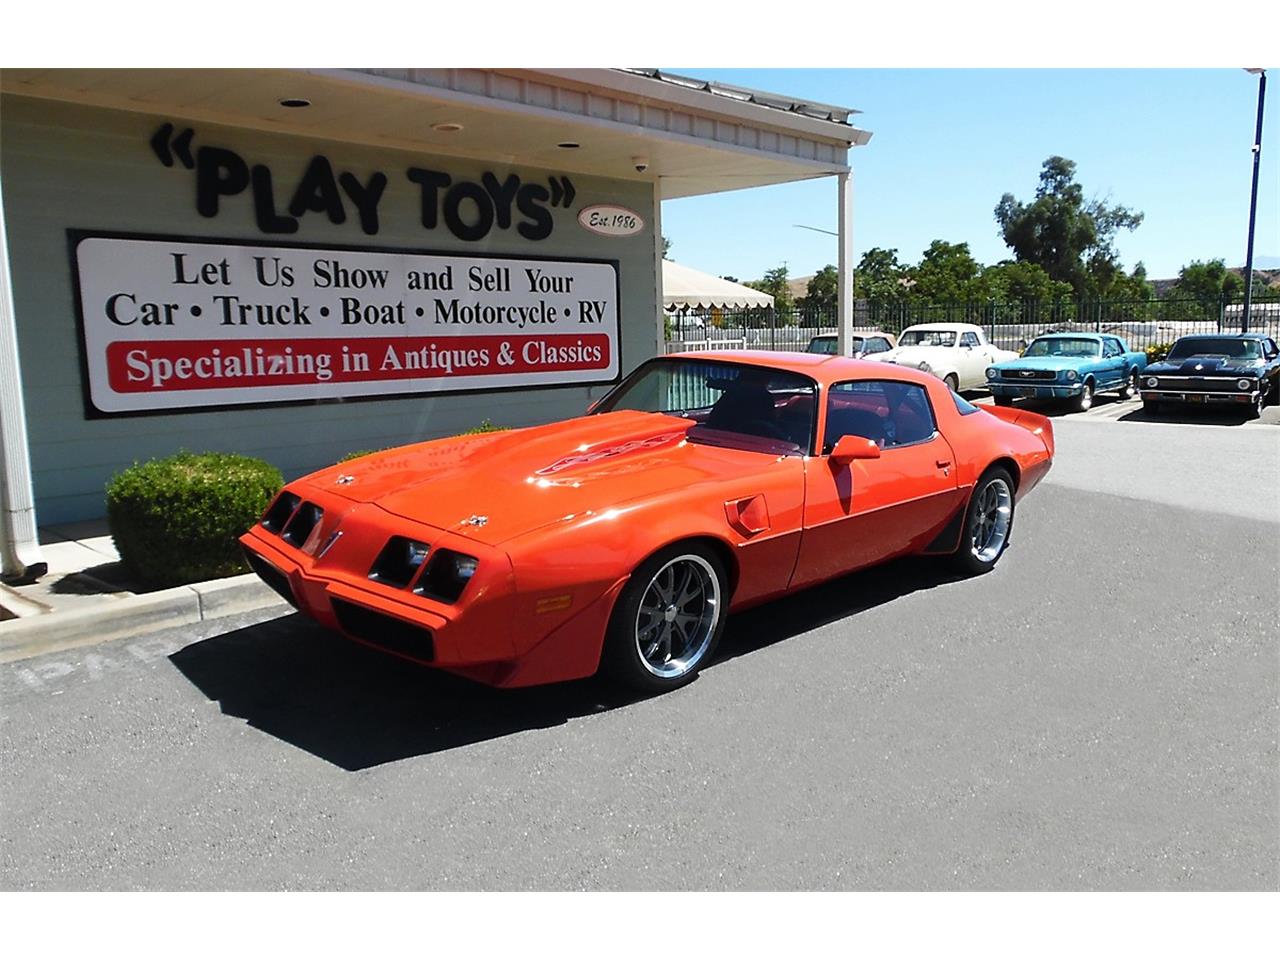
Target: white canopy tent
x=684, y=288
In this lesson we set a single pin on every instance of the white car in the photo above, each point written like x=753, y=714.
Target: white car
x=958, y=353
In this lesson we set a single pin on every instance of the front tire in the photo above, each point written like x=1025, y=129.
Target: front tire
x=668, y=619
x=1258, y=405
x=1004, y=401
x=1152, y=407
x=988, y=523
x=1130, y=390
x=952, y=382
x=1084, y=402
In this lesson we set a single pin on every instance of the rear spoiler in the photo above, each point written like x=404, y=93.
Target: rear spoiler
x=1037, y=423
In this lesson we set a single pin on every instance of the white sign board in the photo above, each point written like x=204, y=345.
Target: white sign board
x=171, y=324
x=610, y=220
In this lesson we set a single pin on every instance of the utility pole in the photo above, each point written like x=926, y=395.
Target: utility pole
x=1253, y=199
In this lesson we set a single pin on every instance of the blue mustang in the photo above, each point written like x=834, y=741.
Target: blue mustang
x=1068, y=366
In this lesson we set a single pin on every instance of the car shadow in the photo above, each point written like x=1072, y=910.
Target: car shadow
x=1185, y=413
x=358, y=708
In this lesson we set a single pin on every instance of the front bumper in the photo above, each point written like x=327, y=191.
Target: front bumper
x=1199, y=397
x=1046, y=390
x=493, y=633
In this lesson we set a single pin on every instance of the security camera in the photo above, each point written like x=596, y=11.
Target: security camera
x=641, y=163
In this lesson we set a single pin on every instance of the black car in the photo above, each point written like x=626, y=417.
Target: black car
x=1237, y=369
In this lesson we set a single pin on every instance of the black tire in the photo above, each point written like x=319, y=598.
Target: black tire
x=1084, y=402
x=624, y=659
x=952, y=382
x=1004, y=401
x=975, y=558
x=1130, y=390
x=1259, y=405
x=1152, y=407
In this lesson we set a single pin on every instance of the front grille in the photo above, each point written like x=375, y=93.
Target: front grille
x=272, y=577
x=1029, y=375
x=382, y=630
x=1215, y=384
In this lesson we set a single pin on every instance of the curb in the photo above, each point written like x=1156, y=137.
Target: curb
x=44, y=633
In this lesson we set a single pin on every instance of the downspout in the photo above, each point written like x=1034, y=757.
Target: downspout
x=20, y=552
x=660, y=318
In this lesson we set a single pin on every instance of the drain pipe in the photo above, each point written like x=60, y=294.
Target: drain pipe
x=19, y=543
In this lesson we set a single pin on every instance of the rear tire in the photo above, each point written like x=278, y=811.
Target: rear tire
x=668, y=619
x=988, y=523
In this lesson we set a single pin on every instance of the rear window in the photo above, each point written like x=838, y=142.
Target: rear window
x=962, y=405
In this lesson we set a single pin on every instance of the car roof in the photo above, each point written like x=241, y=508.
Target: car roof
x=1068, y=333
x=824, y=368
x=944, y=326
x=1250, y=335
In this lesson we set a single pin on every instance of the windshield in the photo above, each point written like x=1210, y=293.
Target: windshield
x=1063, y=347
x=1215, y=347
x=927, y=338
x=830, y=345
x=731, y=404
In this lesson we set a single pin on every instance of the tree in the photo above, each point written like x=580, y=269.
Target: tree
x=823, y=289
x=1070, y=237
x=880, y=277
x=775, y=284
x=1011, y=280
x=666, y=248
x=1207, y=283
x=947, y=273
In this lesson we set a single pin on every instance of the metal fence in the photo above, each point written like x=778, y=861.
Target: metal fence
x=1144, y=323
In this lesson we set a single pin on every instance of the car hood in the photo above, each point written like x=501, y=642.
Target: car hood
x=521, y=480
x=1044, y=363
x=914, y=356
x=1207, y=367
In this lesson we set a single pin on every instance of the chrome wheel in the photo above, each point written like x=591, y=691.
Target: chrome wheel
x=993, y=512
x=1131, y=389
x=1086, y=397
x=678, y=614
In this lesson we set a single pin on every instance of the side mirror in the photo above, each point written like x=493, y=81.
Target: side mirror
x=850, y=447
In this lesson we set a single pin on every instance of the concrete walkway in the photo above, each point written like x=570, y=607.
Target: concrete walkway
x=88, y=597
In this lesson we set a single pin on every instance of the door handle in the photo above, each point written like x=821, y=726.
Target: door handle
x=944, y=466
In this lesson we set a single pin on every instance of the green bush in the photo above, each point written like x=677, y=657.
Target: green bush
x=1158, y=351
x=176, y=520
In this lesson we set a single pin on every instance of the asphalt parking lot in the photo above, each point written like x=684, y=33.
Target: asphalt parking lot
x=1100, y=712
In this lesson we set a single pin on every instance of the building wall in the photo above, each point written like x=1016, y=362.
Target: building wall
x=74, y=167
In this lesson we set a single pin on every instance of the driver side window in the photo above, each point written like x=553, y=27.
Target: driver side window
x=892, y=413
x=969, y=340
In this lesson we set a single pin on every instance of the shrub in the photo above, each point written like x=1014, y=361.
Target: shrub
x=1158, y=351
x=176, y=520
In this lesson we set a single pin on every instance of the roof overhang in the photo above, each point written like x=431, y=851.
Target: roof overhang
x=697, y=138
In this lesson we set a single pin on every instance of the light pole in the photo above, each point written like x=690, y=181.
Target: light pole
x=1253, y=198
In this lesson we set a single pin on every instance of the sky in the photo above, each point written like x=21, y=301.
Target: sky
x=1174, y=144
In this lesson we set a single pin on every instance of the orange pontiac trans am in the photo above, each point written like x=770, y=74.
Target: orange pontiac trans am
x=702, y=484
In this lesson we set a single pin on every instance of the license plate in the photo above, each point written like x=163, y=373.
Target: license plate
x=1193, y=397
x=1025, y=392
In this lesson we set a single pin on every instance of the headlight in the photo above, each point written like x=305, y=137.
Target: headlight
x=1243, y=384
x=447, y=575
x=1152, y=382
x=1072, y=375
x=992, y=373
